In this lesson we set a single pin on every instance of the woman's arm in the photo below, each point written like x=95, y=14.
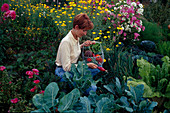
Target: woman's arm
x=87, y=43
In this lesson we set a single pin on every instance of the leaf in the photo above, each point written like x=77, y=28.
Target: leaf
x=124, y=101
x=68, y=100
x=102, y=105
x=86, y=105
x=69, y=111
x=50, y=94
x=152, y=105
x=142, y=104
x=38, y=111
x=38, y=101
x=118, y=86
x=109, y=88
x=137, y=92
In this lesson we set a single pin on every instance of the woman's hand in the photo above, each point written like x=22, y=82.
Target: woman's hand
x=92, y=65
x=87, y=43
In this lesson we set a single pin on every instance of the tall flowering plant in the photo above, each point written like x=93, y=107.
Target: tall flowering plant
x=125, y=19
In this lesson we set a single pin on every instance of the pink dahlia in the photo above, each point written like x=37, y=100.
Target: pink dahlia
x=2, y=68
x=5, y=7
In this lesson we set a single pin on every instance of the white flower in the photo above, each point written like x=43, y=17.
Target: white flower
x=140, y=5
x=139, y=29
x=133, y=4
x=140, y=22
x=140, y=11
x=129, y=29
x=124, y=18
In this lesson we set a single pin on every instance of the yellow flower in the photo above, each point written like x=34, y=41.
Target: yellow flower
x=107, y=49
x=104, y=60
x=108, y=31
x=119, y=14
x=105, y=37
x=55, y=21
x=120, y=43
x=117, y=45
x=38, y=29
x=96, y=38
x=119, y=28
x=63, y=24
x=85, y=7
x=94, y=32
x=94, y=17
x=113, y=31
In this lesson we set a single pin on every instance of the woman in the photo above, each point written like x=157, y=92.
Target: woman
x=69, y=49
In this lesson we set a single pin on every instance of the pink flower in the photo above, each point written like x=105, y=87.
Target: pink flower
x=136, y=35
x=10, y=14
x=36, y=81
x=2, y=68
x=30, y=74
x=33, y=89
x=15, y=100
x=143, y=28
x=35, y=71
x=5, y=7
x=42, y=92
x=128, y=2
x=10, y=82
x=124, y=34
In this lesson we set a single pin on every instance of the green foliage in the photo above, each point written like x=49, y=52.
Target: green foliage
x=119, y=63
x=48, y=100
x=156, y=77
x=163, y=48
x=152, y=32
x=157, y=12
x=82, y=78
x=130, y=100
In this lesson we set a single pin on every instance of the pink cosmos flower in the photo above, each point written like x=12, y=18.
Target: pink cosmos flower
x=124, y=34
x=143, y=28
x=5, y=7
x=2, y=68
x=15, y=100
x=36, y=81
x=42, y=92
x=30, y=74
x=129, y=2
x=35, y=71
x=136, y=35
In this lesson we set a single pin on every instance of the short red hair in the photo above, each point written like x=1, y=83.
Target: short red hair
x=83, y=21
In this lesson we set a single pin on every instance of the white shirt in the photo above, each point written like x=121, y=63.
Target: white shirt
x=68, y=52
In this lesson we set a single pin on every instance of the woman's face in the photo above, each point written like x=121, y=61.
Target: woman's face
x=81, y=32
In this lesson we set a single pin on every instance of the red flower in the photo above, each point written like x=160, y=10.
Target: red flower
x=89, y=59
x=42, y=92
x=5, y=7
x=15, y=100
x=35, y=71
x=36, y=81
x=30, y=73
x=2, y=68
x=33, y=89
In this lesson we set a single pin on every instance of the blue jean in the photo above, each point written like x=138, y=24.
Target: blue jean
x=59, y=71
